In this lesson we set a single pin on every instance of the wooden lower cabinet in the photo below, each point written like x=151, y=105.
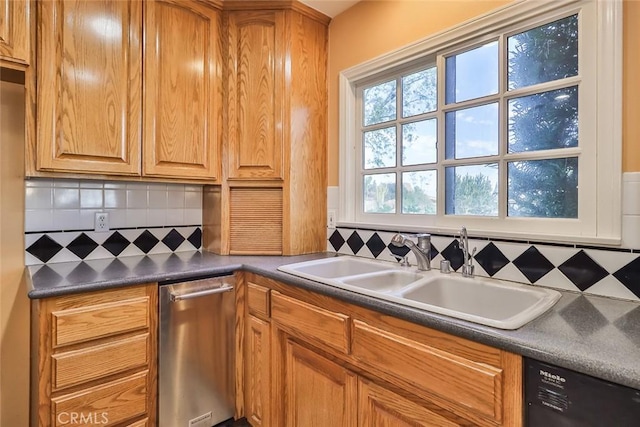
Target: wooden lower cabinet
x=337, y=364
x=94, y=358
x=312, y=390
x=258, y=372
x=380, y=407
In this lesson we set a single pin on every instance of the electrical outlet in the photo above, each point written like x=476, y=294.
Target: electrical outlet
x=101, y=223
x=331, y=219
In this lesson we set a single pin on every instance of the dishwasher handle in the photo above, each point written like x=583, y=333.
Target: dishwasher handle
x=181, y=297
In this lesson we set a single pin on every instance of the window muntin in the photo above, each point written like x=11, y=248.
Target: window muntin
x=599, y=103
x=541, y=120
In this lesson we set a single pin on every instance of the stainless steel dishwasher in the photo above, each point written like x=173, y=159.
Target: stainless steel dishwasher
x=196, y=352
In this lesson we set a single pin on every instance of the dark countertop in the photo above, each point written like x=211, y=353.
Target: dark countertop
x=589, y=334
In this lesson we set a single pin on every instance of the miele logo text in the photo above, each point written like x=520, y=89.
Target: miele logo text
x=553, y=377
x=83, y=418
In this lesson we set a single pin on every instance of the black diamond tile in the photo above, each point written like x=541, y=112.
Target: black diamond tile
x=629, y=275
x=434, y=251
x=196, y=238
x=44, y=248
x=581, y=308
x=401, y=251
x=355, y=242
x=533, y=264
x=454, y=254
x=173, y=239
x=336, y=240
x=491, y=259
x=116, y=243
x=82, y=246
x=146, y=241
x=582, y=270
x=375, y=245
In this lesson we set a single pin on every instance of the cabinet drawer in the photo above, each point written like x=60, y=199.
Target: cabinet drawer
x=464, y=382
x=109, y=403
x=79, y=366
x=311, y=322
x=87, y=323
x=258, y=300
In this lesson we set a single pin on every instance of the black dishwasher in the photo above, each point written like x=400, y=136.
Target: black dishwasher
x=558, y=397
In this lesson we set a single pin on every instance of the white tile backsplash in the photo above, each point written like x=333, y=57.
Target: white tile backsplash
x=65, y=204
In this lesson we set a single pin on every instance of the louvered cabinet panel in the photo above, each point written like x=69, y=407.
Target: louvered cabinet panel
x=256, y=221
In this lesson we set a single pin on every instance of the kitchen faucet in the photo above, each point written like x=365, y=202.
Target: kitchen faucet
x=463, y=244
x=422, y=250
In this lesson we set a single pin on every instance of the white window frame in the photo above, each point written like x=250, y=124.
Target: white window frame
x=600, y=213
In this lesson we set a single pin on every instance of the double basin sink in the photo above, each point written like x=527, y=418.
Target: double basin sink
x=485, y=301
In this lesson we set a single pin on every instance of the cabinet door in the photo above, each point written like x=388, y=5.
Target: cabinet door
x=14, y=30
x=258, y=372
x=379, y=407
x=312, y=390
x=182, y=90
x=89, y=86
x=256, y=76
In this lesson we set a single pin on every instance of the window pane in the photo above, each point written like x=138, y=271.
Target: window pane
x=380, y=193
x=419, y=92
x=544, y=188
x=419, y=192
x=472, y=132
x=544, y=121
x=472, y=190
x=380, y=148
x=380, y=103
x=472, y=74
x=419, y=142
x=543, y=54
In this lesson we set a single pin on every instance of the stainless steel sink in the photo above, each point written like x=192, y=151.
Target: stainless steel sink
x=486, y=301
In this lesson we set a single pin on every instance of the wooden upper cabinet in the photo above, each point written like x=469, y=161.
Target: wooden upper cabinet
x=89, y=86
x=256, y=79
x=182, y=89
x=14, y=30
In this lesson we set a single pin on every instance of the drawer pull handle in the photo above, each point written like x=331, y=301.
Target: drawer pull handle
x=198, y=294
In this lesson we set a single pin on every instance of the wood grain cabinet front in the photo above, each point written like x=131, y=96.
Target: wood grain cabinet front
x=120, y=82
x=15, y=27
x=275, y=175
x=182, y=96
x=94, y=358
x=336, y=363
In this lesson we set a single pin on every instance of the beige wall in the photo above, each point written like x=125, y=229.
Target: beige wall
x=372, y=28
x=14, y=305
